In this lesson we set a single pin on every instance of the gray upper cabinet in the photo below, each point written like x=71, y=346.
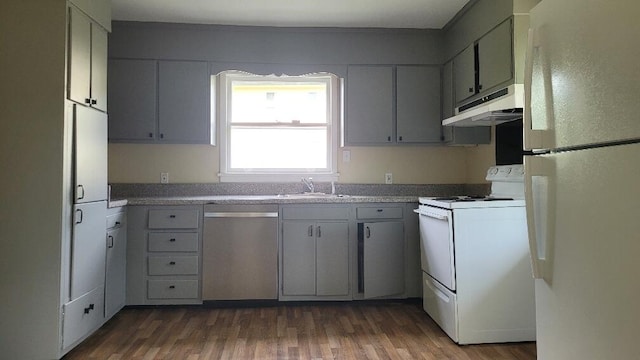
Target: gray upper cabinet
x=392, y=105
x=484, y=65
x=464, y=74
x=495, y=57
x=159, y=101
x=184, y=102
x=418, y=104
x=132, y=100
x=369, y=107
x=455, y=135
x=87, y=82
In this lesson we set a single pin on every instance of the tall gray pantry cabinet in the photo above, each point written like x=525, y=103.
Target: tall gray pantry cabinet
x=52, y=213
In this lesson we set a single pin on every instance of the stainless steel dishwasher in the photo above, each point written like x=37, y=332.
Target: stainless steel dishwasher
x=240, y=252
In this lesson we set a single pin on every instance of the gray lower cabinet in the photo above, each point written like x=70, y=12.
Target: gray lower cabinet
x=163, y=255
x=381, y=250
x=159, y=101
x=116, y=264
x=314, y=253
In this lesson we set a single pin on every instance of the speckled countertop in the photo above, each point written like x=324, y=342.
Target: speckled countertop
x=280, y=193
x=269, y=199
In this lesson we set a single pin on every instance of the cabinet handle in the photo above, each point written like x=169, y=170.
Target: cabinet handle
x=172, y=240
x=80, y=192
x=88, y=309
x=470, y=89
x=79, y=216
x=319, y=232
x=400, y=138
x=172, y=286
x=117, y=223
x=161, y=136
x=368, y=232
x=172, y=262
x=87, y=100
x=380, y=210
x=109, y=241
x=388, y=138
x=479, y=87
x=150, y=135
x=94, y=101
x=310, y=230
x=172, y=216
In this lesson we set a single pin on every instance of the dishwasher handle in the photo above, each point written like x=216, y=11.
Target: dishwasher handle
x=239, y=214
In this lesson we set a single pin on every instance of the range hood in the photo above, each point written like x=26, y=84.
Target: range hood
x=496, y=108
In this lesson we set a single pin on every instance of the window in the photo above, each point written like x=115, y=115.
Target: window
x=278, y=128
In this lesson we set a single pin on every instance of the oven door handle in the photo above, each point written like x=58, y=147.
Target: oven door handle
x=431, y=215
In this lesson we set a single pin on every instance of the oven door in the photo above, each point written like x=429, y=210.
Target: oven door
x=436, y=245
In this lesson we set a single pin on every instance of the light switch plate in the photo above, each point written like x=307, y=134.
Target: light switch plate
x=388, y=178
x=164, y=178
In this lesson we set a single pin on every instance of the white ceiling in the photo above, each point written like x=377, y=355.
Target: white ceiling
x=419, y=14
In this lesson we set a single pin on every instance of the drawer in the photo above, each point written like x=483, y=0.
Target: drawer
x=379, y=213
x=174, y=219
x=173, y=265
x=173, y=242
x=172, y=289
x=116, y=220
x=82, y=316
x=315, y=213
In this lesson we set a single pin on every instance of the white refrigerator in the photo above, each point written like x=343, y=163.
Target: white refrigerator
x=582, y=123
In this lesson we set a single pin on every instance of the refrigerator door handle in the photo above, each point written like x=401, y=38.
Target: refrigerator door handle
x=540, y=214
x=536, y=138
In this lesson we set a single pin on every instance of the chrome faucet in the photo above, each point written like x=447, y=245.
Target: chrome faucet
x=309, y=183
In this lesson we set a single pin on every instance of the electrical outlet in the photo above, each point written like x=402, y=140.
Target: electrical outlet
x=164, y=178
x=346, y=156
x=388, y=178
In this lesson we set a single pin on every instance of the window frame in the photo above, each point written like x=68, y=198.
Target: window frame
x=226, y=174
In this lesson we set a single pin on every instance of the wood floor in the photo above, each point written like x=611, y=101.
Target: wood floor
x=352, y=330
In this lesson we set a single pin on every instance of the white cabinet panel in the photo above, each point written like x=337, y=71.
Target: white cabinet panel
x=88, y=251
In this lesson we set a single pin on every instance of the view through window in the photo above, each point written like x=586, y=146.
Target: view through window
x=278, y=125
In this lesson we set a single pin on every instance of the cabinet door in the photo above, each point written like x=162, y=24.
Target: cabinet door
x=79, y=78
x=98, y=67
x=88, y=251
x=383, y=258
x=116, y=268
x=418, y=104
x=184, y=102
x=369, y=103
x=464, y=74
x=298, y=258
x=332, y=256
x=494, y=57
x=447, y=90
x=132, y=100
x=90, y=154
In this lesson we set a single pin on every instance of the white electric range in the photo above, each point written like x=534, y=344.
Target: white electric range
x=477, y=280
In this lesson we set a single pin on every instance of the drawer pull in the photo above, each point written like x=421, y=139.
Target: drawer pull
x=172, y=240
x=172, y=262
x=172, y=216
x=172, y=286
x=88, y=309
x=379, y=210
